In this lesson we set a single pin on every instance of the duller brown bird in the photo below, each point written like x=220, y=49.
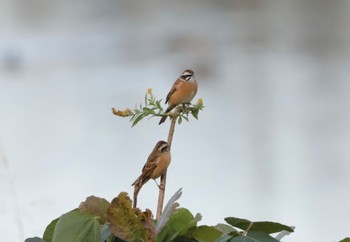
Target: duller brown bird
x=156, y=165
x=183, y=91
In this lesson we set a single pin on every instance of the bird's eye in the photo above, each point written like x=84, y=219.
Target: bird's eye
x=186, y=77
x=164, y=149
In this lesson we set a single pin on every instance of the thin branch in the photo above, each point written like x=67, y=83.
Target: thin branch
x=152, y=108
x=161, y=195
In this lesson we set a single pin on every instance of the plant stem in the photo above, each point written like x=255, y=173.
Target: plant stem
x=163, y=177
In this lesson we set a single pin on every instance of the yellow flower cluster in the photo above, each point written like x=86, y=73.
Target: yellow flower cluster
x=122, y=113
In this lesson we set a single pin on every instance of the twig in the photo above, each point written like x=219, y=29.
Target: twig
x=163, y=177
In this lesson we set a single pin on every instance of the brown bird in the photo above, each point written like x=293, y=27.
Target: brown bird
x=183, y=91
x=156, y=165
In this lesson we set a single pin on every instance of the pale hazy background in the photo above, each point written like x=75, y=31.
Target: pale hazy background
x=273, y=142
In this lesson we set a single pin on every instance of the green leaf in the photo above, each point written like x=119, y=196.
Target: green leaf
x=179, y=223
x=138, y=119
x=158, y=105
x=195, y=113
x=266, y=227
x=206, y=233
x=226, y=238
x=226, y=229
x=250, y=237
x=179, y=120
x=260, y=236
x=238, y=222
x=49, y=231
x=244, y=239
x=345, y=240
x=184, y=238
x=147, y=111
x=35, y=239
x=270, y=227
x=95, y=206
x=77, y=226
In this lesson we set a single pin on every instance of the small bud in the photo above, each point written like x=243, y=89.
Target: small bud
x=149, y=91
x=200, y=102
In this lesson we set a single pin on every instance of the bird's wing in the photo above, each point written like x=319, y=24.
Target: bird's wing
x=149, y=167
x=173, y=89
x=146, y=172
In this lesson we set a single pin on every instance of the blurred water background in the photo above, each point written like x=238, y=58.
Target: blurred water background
x=271, y=144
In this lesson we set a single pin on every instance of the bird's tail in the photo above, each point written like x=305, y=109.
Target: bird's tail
x=136, y=192
x=163, y=119
x=137, y=187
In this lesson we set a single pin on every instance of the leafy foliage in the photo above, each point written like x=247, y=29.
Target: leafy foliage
x=254, y=231
x=49, y=231
x=77, y=226
x=127, y=223
x=180, y=223
x=153, y=108
x=98, y=220
x=35, y=239
x=96, y=206
x=206, y=233
x=182, y=226
x=266, y=227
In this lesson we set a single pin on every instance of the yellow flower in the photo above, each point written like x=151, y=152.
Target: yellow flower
x=149, y=91
x=122, y=113
x=128, y=112
x=200, y=102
